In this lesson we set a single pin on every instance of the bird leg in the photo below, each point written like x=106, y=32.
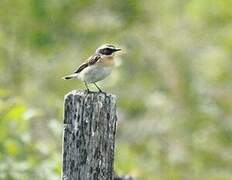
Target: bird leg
x=87, y=87
x=97, y=87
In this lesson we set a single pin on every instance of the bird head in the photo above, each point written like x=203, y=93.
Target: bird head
x=107, y=50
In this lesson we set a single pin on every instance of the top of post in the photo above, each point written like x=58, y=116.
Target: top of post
x=90, y=93
x=76, y=100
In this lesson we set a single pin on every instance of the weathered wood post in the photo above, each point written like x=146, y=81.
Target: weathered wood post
x=89, y=136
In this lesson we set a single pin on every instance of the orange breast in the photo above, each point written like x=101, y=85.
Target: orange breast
x=107, y=61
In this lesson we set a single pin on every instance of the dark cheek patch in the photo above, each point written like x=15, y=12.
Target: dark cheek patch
x=106, y=51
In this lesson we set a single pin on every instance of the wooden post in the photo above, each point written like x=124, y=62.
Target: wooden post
x=89, y=136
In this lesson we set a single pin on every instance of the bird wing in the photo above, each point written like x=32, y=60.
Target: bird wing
x=92, y=60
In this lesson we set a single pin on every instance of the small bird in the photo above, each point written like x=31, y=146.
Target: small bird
x=97, y=67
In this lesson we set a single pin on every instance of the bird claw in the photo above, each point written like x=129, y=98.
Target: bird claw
x=87, y=91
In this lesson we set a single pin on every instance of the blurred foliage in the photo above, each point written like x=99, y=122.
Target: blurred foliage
x=174, y=84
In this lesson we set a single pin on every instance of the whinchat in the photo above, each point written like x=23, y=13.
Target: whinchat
x=97, y=67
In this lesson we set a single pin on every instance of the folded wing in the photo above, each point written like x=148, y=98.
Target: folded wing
x=92, y=60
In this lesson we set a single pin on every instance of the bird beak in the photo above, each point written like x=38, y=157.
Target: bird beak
x=117, y=49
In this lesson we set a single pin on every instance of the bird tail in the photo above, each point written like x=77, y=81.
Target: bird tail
x=71, y=76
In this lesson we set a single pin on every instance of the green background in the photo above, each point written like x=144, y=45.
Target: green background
x=173, y=82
